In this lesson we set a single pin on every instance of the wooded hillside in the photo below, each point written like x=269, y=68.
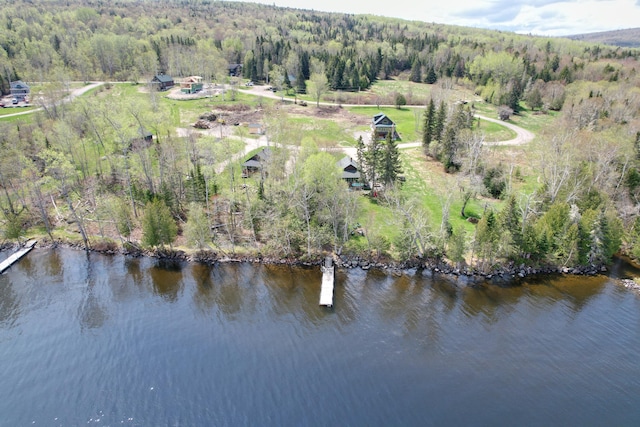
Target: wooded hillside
x=124, y=162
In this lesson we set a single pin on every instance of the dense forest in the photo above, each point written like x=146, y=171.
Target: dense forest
x=88, y=164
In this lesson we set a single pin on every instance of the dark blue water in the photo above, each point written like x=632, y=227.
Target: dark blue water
x=113, y=341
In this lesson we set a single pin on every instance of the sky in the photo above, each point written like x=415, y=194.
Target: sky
x=537, y=17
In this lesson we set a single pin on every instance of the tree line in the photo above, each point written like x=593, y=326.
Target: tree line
x=88, y=163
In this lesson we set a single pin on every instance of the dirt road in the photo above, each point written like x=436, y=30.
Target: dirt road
x=74, y=94
x=523, y=136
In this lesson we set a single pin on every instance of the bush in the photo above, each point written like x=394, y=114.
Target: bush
x=400, y=100
x=504, y=112
x=494, y=182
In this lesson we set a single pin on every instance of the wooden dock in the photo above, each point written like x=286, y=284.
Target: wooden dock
x=15, y=257
x=328, y=280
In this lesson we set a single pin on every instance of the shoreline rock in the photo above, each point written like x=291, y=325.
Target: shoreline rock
x=507, y=275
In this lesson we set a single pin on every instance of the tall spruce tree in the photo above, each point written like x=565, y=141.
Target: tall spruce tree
x=390, y=164
x=158, y=226
x=360, y=155
x=373, y=159
x=428, y=124
x=301, y=85
x=431, y=76
x=416, y=72
x=441, y=118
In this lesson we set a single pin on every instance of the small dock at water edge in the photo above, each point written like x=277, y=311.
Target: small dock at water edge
x=16, y=256
x=328, y=281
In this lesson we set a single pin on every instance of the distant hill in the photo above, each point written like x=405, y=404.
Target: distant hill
x=623, y=38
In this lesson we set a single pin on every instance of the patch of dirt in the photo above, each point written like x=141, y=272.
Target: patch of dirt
x=238, y=114
x=332, y=112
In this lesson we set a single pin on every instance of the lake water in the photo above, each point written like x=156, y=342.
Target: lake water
x=112, y=341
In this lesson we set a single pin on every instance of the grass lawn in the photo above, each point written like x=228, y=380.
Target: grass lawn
x=323, y=132
x=427, y=181
x=534, y=121
x=4, y=112
x=407, y=120
x=494, y=131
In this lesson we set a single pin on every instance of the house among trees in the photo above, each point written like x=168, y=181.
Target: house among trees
x=235, y=70
x=257, y=161
x=350, y=170
x=382, y=125
x=162, y=82
x=191, y=85
x=20, y=90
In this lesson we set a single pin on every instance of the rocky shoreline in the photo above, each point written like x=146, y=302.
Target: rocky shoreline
x=630, y=284
x=507, y=274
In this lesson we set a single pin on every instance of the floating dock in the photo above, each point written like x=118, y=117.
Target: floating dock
x=328, y=280
x=15, y=257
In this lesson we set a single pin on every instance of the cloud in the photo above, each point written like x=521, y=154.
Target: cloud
x=539, y=17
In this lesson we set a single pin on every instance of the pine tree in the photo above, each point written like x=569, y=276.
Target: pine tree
x=305, y=65
x=390, y=165
x=416, y=72
x=360, y=155
x=449, y=148
x=431, y=76
x=510, y=222
x=301, y=85
x=373, y=159
x=441, y=118
x=158, y=226
x=428, y=125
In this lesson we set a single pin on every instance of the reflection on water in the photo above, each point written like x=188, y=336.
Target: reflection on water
x=145, y=342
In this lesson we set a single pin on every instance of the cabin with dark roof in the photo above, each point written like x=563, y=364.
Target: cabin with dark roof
x=20, y=90
x=235, y=70
x=382, y=125
x=350, y=169
x=256, y=162
x=162, y=82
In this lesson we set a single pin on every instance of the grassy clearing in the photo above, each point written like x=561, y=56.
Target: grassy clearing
x=323, y=132
x=494, y=131
x=23, y=118
x=427, y=181
x=11, y=110
x=407, y=120
x=418, y=93
x=534, y=121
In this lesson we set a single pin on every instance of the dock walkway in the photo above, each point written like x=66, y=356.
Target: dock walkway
x=15, y=257
x=328, y=280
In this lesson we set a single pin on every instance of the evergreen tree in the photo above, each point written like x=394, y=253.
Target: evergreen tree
x=449, y=148
x=487, y=237
x=390, y=165
x=305, y=65
x=510, y=222
x=416, y=72
x=373, y=160
x=431, y=76
x=428, y=125
x=441, y=118
x=360, y=155
x=301, y=85
x=158, y=226
x=196, y=185
x=287, y=83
